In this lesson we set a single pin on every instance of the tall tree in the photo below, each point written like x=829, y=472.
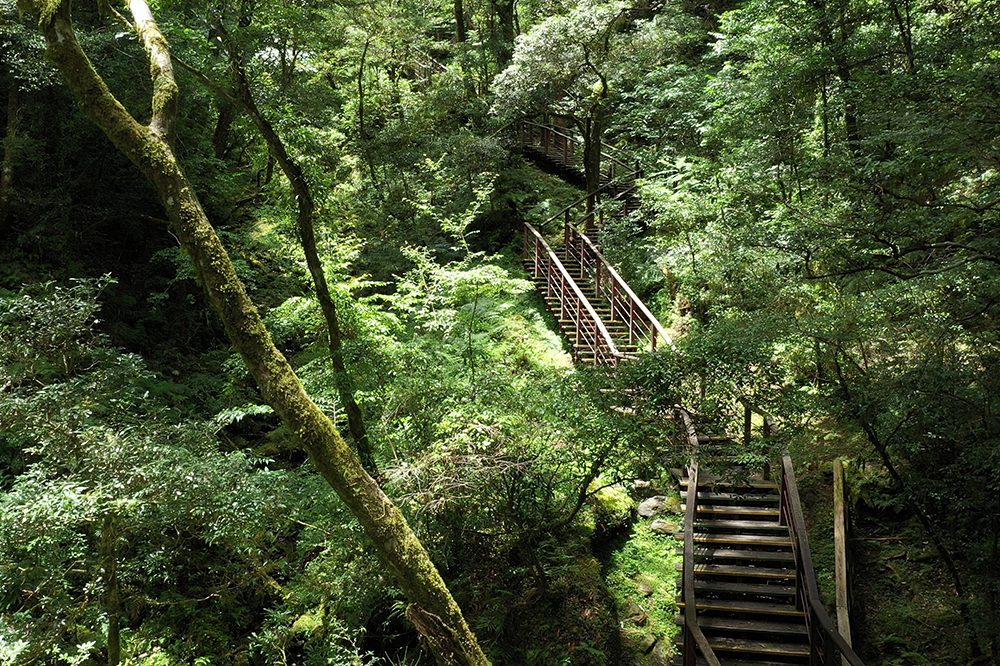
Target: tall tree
x=563, y=67
x=432, y=608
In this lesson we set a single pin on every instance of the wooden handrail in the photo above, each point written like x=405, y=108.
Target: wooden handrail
x=581, y=202
x=590, y=330
x=823, y=638
x=625, y=304
x=569, y=138
x=694, y=637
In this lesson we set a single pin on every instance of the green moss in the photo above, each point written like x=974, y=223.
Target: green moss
x=642, y=576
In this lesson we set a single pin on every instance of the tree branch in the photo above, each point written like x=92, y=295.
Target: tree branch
x=161, y=70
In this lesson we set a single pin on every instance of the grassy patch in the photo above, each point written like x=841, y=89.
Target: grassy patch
x=642, y=577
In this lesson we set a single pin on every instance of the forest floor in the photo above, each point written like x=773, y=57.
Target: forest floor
x=903, y=606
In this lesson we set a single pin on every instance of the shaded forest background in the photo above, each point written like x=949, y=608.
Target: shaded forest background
x=819, y=227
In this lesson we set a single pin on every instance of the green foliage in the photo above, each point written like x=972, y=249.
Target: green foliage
x=105, y=449
x=642, y=578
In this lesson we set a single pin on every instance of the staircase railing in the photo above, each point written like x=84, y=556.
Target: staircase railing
x=694, y=639
x=824, y=639
x=591, y=333
x=625, y=305
x=564, y=144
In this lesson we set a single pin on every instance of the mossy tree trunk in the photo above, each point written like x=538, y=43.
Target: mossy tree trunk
x=148, y=147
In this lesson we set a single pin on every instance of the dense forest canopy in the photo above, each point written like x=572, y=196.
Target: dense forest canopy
x=820, y=228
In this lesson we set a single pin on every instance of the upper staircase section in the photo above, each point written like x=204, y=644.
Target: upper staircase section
x=559, y=150
x=604, y=320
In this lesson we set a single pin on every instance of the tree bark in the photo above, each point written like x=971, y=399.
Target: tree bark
x=459, y=9
x=307, y=234
x=223, y=127
x=148, y=148
x=9, y=153
x=593, y=133
x=507, y=31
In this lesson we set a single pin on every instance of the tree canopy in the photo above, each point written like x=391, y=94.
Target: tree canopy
x=230, y=232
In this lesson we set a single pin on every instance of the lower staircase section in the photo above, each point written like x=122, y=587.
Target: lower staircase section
x=744, y=574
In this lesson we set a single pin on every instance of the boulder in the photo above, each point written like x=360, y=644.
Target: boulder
x=663, y=527
x=653, y=506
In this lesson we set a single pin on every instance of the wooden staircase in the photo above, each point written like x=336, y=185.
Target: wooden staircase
x=618, y=329
x=744, y=574
x=749, y=592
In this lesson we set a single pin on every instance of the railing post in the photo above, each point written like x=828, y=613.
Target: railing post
x=548, y=281
x=747, y=422
x=631, y=321
x=613, y=286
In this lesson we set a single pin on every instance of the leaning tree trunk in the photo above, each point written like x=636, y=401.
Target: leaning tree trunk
x=148, y=147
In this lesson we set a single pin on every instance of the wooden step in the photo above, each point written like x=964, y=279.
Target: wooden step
x=755, y=555
x=747, y=607
x=714, y=438
x=740, y=571
x=700, y=661
x=734, y=497
x=742, y=539
x=758, y=484
x=749, y=626
x=742, y=589
x=741, y=510
x=768, y=648
x=741, y=525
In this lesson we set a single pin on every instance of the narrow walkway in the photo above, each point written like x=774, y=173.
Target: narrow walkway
x=744, y=573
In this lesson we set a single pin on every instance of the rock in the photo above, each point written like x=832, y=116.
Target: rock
x=643, y=488
x=653, y=506
x=663, y=527
x=644, y=584
x=637, y=641
x=662, y=654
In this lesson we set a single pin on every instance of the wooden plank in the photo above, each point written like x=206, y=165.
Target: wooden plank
x=759, y=647
x=840, y=554
x=733, y=483
x=741, y=510
x=743, y=572
x=750, y=626
x=744, y=588
x=745, y=539
x=748, y=607
x=679, y=661
x=731, y=497
x=756, y=555
x=773, y=526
